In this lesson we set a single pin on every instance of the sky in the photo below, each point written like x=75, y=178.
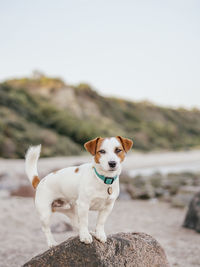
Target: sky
x=138, y=50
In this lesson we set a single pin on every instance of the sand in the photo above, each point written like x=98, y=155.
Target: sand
x=22, y=238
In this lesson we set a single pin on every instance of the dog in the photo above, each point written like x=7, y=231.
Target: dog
x=75, y=190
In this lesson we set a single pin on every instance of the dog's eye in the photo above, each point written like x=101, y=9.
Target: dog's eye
x=102, y=151
x=118, y=150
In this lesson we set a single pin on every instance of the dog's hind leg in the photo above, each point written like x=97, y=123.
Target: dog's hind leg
x=43, y=206
x=45, y=220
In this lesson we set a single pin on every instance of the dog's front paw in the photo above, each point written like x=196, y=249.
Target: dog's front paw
x=52, y=244
x=86, y=238
x=101, y=236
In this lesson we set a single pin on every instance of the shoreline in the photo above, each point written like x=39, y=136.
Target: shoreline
x=135, y=161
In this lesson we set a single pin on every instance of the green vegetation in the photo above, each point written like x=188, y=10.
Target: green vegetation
x=62, y=117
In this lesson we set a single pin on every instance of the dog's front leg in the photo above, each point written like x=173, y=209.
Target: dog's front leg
x=102, y=216
x=83, y=210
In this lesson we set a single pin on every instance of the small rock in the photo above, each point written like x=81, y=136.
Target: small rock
x=124, y=195
x=23, y=191
x=159, y=192
x=156, y=180
x=184, y=196
x=144, y=192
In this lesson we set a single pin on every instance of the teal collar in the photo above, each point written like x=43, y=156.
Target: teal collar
x=107, y=180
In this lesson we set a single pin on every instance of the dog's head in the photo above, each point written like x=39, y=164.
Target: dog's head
x=109, y=152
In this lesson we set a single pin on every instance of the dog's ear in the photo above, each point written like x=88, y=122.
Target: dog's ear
x=126, y=143
x=91, y=145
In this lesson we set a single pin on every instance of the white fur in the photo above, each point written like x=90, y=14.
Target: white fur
x=32, y=156
x=82, y=191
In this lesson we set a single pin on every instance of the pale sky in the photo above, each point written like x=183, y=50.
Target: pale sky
x=139, y=50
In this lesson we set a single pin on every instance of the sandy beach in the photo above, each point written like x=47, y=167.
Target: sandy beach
x=22, y=237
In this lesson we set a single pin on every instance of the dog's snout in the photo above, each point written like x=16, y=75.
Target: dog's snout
x=112, y=164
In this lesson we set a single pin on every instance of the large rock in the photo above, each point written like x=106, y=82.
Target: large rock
x=192, y=219
x=123, y=249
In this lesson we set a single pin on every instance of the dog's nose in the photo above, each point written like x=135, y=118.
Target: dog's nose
x=112, y=164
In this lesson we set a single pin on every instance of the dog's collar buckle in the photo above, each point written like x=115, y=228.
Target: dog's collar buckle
x=108, y=180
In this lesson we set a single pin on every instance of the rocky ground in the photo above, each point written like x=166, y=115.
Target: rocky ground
x=22, y=237
x=20, y=231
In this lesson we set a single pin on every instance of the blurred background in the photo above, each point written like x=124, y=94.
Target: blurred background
x=74, y=70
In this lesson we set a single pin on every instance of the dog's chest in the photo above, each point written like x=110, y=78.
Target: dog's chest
x=98, y=203
x=101, y=200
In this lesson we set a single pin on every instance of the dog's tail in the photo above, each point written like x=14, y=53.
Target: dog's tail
x=31, y=159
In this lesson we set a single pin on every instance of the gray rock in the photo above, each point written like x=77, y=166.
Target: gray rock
x=192, y=219
x=124, y=195
x=184, y=196
x=143, y=192
x=23, y=191
x=123, y=249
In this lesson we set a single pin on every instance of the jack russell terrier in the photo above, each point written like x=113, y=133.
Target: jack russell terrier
x=74, y=191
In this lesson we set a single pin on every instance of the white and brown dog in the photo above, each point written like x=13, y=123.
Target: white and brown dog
x=74, y=191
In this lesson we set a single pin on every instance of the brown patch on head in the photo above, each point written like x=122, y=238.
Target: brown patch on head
x=77, y=169
x=98, y=147
x=35, y=181
x=125, y=142
x=93, y=147
x=120, y=154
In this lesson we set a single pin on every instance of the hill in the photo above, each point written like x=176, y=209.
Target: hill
x=62, y=117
